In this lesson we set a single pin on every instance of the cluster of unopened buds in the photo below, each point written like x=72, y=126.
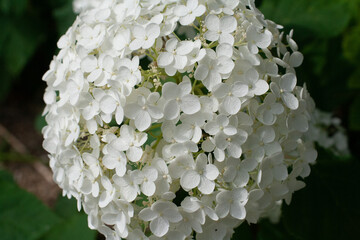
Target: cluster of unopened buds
x=173, y=119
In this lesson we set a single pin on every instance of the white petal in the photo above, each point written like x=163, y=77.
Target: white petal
x=231, y=105
x=132, y=110
x=190, y=104
x=187, y=19
x=239, y=89
x=185, y=47
x=228, y=24
x=170, y=90
x=237, y=211
x=88, y=64
x=164, y=59
x=142, y=121
x=211, y=172
x=222, y=210
x=212, y=22
x=211, y=35
x=136, y=44
x=296, y=59
x=290, y=100
x=138, y=32
x=219, y=154
x=180, y=11
x=172, y=214
x=119, y=115
x=288, y=82
x=207, y=145
x=201, y=72
x=206, y=186
x=148, y=188
x=152, y=31
x=86, y=186
x=261, y=87
x=234, y=150
x=110, y=162
x=108, y=104
x=189, y=204
x=147, y=214
x=105, y=199
x=200, y=10
x=190, y=179
x=171, y=110
x=159, y=226
x=134, y=154
x=280, y=172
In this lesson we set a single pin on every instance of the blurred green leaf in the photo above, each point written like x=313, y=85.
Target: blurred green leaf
x=73, y=225
x=14, y=7
x=22, y=215
x=243, y=232
x=40, y=122
x=5, y=84
x=21, y=44
x=355, y=114
x=351, y=44
x=354, y=79
x=312, y=16
x=327, y=207
x=64, y=16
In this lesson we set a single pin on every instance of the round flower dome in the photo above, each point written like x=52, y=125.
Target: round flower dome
x=172, y=119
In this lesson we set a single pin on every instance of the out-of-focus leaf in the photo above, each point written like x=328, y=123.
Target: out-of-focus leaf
x=351, y=44
x=64, y=16
x=327, y=207
x=14, y=7
x=270, y=231
x=354, y=79
x=40, y=122
x=355, y=114
x=21, y=44
x=242, y=232
x=324, y=18
x=22, y=215
x=5, y=84
x=73, y=224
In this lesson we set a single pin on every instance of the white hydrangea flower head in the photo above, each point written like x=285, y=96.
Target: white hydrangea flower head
x=161, y=136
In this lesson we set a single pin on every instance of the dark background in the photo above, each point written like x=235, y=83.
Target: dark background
x=31, y=206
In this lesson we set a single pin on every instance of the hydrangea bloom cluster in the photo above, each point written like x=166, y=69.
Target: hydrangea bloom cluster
x=169, y=119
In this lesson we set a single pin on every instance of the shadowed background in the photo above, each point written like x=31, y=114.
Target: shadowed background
x=31, y=206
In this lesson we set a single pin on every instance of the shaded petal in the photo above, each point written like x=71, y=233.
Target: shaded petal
x=190, y=104
x=159, y=226
x=134, y=154
x=142, y=120
x=171, y=110
x=190, y=179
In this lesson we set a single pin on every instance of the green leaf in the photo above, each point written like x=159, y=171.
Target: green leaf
x=327, y=208
x=351, y=44
x=22, y=215
x=21, y=44
x=354, y=79
x=64, y=16
x=243, y=232
x=40, y=122
x=13, y=7
x=5, y=84
x=354, y=117
x=73, y=225
x=324, y=18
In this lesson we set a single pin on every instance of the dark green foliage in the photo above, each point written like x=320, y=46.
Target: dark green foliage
x=328, y=34
x=73, y=225
x=22, y=215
